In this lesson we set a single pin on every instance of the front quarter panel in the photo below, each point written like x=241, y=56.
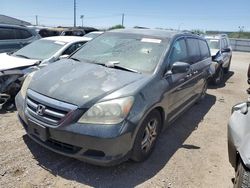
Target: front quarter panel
x=239, y=136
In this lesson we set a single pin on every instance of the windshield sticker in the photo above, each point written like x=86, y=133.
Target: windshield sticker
x=58, y=42
x=158, y=41
x=214, y=40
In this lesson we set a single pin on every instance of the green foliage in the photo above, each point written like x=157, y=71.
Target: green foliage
x=244, y=35
x=197, y=31
x=116, y=27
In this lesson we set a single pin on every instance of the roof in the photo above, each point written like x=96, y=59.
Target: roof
x=67, y=39
x=97, y=32
x=158, y=33
x=13, y=21
x=218, y=36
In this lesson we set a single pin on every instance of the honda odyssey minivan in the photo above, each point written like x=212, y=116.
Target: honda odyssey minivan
x=111, y=99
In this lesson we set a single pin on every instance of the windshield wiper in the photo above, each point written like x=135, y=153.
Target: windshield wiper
x=74, y=59
x=114, y=65
x=19, y=55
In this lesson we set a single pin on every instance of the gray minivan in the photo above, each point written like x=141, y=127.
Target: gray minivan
x=14, y=37
x=110, y=100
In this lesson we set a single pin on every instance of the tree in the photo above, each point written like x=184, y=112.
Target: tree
x=116, y=27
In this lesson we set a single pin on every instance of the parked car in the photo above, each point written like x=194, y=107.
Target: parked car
x=66, y=31
x=110, y=100
x=94, y=34
x=239, y=142
x=221, y=52
x=13, y=37
x=14, y=66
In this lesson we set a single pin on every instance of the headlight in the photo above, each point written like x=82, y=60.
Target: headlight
x=26, y=84
x=108, y=112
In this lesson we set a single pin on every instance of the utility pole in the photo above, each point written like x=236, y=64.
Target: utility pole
x=241, y=29
x=123, y=19
x=82, y=16
x=74, y=13
x=36, y=20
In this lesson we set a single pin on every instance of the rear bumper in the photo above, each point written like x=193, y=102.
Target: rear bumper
x=86, y=143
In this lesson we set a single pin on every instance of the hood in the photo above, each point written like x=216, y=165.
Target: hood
x=213, y=52
x=80, y=83
x=11, y=62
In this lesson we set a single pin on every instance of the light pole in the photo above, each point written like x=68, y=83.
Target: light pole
x=81, y=17
x=123, y=20
x=74, y=13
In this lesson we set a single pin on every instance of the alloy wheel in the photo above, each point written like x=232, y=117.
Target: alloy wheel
x=149, y=135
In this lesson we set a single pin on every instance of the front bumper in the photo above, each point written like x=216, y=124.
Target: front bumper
x=96, y=144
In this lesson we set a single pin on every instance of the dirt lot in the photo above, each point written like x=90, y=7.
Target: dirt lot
x=190, y=153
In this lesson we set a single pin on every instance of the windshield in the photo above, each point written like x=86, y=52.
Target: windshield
x=132, y=51
x=213, y=43
x=40, y=49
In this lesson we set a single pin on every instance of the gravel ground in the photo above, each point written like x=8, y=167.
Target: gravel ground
x=190, y=153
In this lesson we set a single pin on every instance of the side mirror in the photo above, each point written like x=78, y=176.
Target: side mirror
x=226, y=50
x=180, y=67
x=65, y=56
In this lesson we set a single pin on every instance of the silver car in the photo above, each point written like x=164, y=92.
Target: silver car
x=14, y=66
x=221, y=52
x=239, y=142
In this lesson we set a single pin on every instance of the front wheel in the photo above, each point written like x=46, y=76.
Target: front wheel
x=226, y=69
x=147, y=136
x=242, y=176
x=219, y=76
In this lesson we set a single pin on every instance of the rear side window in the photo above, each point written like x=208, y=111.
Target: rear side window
x=72, y=48
x=178, y=52
x=224, y=43
x=204, y=49
x=7, y=34
x=23, y=34
x=193, y=50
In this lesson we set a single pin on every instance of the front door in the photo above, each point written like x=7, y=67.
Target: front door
x=179, y=85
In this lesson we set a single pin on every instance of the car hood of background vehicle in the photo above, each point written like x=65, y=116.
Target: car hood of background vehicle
x=80, y=83
x=11, y=62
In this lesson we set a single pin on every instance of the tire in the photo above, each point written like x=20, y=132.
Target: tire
x=242, y=177
x=203, y=93
x=219, y=76
x=226, y=69
x=204, y=90
x=145, y=139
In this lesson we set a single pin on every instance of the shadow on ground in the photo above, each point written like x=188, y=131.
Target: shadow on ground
x=224, y=82
x=128, y=174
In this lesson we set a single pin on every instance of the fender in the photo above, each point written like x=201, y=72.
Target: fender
x=239, y=137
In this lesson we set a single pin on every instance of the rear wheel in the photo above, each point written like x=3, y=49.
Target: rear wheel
x=203, y=93
x=147, y=136
x=242, y=177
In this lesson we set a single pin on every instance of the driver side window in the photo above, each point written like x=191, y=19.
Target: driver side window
x=178, y=52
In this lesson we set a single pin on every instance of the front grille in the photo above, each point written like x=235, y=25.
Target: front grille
x=60, y=146
x=54, y=111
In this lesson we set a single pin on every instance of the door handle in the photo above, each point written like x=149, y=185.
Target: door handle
x=195, y=72
x=189, y=75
